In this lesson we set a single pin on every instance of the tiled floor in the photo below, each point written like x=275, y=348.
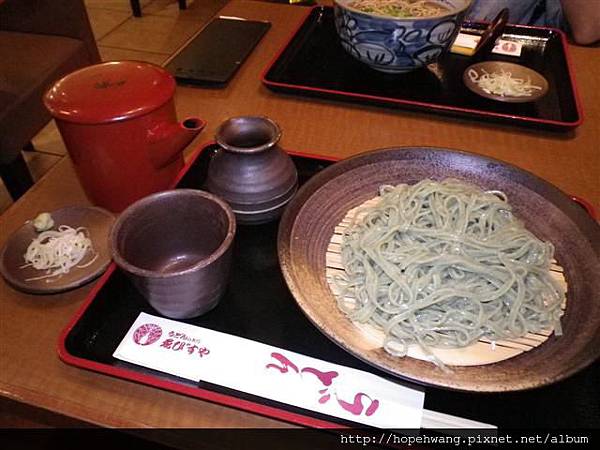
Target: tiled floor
x=152, y=37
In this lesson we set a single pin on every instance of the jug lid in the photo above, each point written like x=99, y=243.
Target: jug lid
x=110, y=92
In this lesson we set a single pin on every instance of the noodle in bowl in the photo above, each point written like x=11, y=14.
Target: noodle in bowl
x=397, y=36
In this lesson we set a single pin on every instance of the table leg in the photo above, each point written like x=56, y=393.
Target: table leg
x=16, y=176
x=136, y=8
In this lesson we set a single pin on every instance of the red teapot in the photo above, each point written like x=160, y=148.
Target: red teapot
x=119, y=125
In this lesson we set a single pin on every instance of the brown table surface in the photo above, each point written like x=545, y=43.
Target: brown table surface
x=30, y=370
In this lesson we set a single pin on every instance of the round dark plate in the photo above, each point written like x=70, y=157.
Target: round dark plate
x=309, y=221
x=97, y=220
x=516, y=70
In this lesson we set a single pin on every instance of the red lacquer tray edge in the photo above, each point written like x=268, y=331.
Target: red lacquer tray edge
x=193, y=391
x=555, y=123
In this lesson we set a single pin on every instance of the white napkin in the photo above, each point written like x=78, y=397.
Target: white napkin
x=198, y=353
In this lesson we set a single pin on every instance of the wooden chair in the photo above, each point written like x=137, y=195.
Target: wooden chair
x=40, y=42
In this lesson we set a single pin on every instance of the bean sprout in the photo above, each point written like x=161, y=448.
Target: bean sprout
x=57, y=252
x=502, y=84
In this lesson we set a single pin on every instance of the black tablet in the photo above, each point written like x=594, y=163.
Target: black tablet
x=214, y=55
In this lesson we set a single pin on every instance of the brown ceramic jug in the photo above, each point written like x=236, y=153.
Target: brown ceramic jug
x=250, y=171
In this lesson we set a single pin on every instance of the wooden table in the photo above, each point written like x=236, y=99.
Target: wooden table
x=31, y=375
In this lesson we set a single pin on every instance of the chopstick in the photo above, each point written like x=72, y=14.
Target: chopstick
x=468, y=44
x=492, y=33
x=437, y=420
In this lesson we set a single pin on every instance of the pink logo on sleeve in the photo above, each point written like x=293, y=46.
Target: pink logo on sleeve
x=356, y=407
x=286, y=364
x=147, y=334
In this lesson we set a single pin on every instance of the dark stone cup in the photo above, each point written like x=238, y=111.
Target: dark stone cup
x=176, y=248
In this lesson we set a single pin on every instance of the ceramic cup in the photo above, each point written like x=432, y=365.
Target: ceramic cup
x=175, y=246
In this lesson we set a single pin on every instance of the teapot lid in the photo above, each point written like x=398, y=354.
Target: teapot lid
x=110, y=92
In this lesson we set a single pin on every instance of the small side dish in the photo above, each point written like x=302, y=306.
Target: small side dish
x=506, y=82
x=58, y=251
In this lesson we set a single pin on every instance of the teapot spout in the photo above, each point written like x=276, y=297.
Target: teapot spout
x=168, y=141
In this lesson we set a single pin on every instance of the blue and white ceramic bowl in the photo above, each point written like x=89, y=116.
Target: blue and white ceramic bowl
x=398, y=45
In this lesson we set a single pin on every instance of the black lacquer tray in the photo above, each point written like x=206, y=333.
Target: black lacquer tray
x=259, y=306
x=313, y=63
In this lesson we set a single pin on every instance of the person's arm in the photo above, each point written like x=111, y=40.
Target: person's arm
x=584, y=19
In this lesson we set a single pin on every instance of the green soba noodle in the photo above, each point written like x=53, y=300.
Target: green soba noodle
x=443, y=264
